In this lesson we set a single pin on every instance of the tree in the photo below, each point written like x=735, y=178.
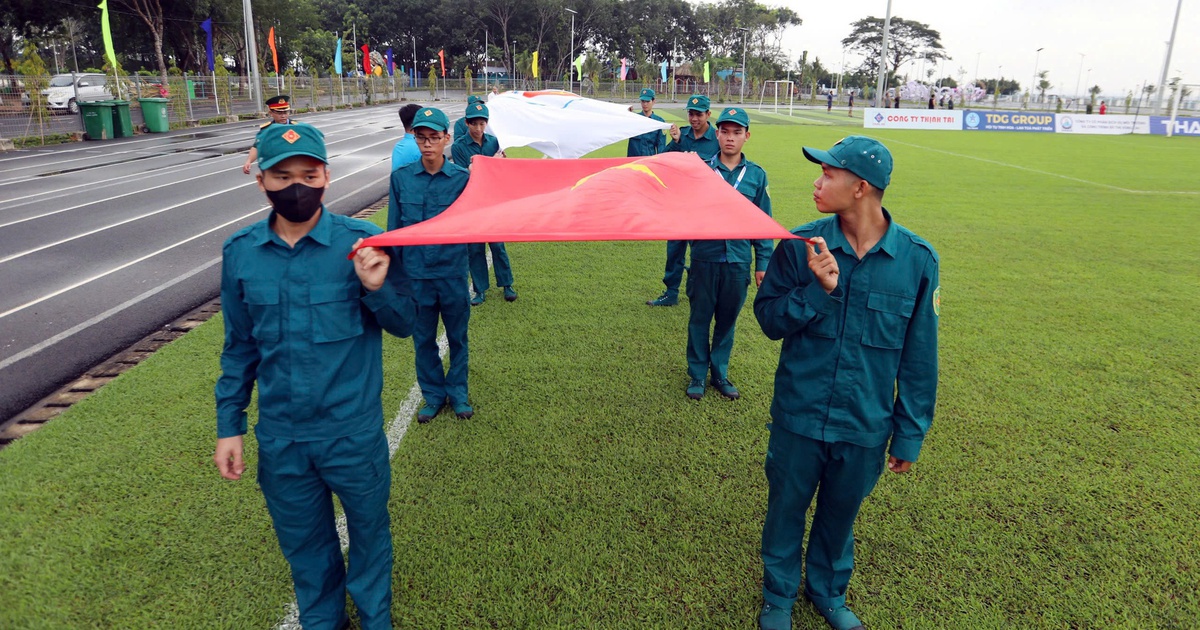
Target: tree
x=907, y=40
x=151, y=12
x=1043, y=84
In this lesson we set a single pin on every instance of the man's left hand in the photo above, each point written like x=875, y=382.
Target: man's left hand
x=898, y=466
x=371, y=265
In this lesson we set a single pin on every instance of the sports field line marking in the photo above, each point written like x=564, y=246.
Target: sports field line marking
x=1058, y=175
x=170, y=247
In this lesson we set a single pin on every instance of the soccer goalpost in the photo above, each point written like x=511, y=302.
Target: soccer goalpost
x=787, y=85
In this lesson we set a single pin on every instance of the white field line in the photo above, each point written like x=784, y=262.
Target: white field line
x=152, y=213
x=32, y=350
x=164, y=249
x=1049, y=174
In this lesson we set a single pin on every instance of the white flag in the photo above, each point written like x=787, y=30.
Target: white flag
x=561, y=124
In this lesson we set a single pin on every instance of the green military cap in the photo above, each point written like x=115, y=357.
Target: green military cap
x=863, y=156
x=280, y=142
x=647, y=94
x=698, y=103
x=431, y=117
x=280, y=103
x=472, y=99
x=477, y=110
x=734, y=115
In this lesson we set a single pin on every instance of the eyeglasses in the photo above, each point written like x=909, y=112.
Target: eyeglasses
x=428, y=139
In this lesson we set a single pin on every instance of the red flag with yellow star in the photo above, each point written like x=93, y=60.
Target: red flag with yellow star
x=670, y=196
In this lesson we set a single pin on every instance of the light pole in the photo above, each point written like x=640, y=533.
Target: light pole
x=887, y=24
x=1167, y=62
x=1033, y=83
x=571, y=57
x=745, y=31
x=1086, y=82
x=977, y=55
x=1077, y=75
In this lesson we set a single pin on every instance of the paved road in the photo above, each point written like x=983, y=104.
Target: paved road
x=103, y=242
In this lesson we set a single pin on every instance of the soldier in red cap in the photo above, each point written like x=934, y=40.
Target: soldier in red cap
x=280, y=108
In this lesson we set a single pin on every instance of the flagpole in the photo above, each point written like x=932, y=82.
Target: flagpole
x=674, y=57
x=256, y=91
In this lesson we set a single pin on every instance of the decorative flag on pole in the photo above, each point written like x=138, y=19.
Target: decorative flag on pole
x=535, y=64
x=442, y=58
x=662, y=68
x=366, y=59
x=274, y=53
x=337, y=58
x=706, y=75
x=624, y=67
x=579, y=66
x=207, y=26
x=107, y=32
x=667, y=196
x=391, y=65
x=561, y=124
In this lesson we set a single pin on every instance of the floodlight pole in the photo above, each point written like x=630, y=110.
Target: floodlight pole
x=887, y=24
x=1162, y=83
x=252, y=53
x=742, y=96
x=1077, y=76
x=1033, y=83
x=571, y=57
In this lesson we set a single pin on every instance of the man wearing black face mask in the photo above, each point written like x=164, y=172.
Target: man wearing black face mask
x=305, y=324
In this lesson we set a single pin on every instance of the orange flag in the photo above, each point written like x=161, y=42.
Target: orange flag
x=274, y=53
x=442, y=57
x=670, y=196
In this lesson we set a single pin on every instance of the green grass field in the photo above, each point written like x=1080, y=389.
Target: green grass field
x=1057, y=489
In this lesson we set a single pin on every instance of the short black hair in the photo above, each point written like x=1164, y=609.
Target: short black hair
x=407, y=114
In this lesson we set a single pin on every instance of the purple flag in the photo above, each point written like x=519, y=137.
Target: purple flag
x=390, y=66
x=207, y=26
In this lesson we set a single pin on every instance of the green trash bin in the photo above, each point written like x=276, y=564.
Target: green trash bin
x=97, y=119
x=154, y=112
x=122, y=124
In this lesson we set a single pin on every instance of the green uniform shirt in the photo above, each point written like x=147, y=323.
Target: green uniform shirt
x=706, y=147
x=298, y=321
x=465, y=148
x=460, y=128
x=858, y=365
x=749, y=179
x=649, y=143
x=416, y=195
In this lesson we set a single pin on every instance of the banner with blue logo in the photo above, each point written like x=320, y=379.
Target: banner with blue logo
x=998, y=120
x=1182, y=126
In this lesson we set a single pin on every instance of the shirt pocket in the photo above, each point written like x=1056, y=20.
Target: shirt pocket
x=262, y=302
x=412, y=207
x=887, y=320
x=336, y=311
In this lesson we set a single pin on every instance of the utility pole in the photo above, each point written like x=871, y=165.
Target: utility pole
x=887, y=24
x=571, y=56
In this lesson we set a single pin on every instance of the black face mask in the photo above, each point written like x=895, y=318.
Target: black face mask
x=296, y=203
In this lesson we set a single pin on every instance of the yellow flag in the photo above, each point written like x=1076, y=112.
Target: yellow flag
x=535, y=64
x=706, y=76
x=108, y=47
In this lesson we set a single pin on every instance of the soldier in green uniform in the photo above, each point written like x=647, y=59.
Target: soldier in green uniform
x=304, y=323
x=651, y=142
x=856, y=305
x=478, y=142
x=701, y=139
x=460, y=125
x=280, y=108
x=435, y=274
x=720, y=271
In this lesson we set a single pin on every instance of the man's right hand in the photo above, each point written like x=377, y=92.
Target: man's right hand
x=228, y=457
x=246, y=168
x=823, y=265
x=674, y=131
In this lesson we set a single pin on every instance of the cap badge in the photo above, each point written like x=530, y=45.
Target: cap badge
x=695, y=100
x=429, y=112
x=732, y=112
x=291, y=136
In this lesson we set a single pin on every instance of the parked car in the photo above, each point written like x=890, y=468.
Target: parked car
x=12, y=92
x=62, y=94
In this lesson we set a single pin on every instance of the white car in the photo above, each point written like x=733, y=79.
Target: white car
x=63, y=95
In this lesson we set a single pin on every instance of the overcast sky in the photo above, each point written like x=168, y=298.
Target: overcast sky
x=1123, y=41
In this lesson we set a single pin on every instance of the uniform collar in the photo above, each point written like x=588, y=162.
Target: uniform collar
x=710, y=133
x=887, y=243
x=321, y=232
x=419, y=167
x=721, y=165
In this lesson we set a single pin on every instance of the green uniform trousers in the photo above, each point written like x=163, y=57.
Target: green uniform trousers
x=449, y=299
x=797, y=468
x=477, y=261
x=298, y=480
x=676, y=264
x=716, y=291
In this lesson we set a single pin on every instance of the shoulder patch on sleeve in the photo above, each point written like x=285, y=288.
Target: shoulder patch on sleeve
x=266, y=124
x=937, y=301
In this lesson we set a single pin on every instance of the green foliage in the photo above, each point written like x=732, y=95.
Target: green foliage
x=907, y=40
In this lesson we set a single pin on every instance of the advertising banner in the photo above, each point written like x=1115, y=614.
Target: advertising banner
x=1116, y=124
x=878, y=118
x=1183, y=126
x=994, y=120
